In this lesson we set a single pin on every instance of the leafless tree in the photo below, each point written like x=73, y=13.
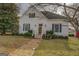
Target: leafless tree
x=71, y=12
x=72, y=15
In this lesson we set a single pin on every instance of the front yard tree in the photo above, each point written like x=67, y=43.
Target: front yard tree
x=8, y=17
x=71, y=12
x=73, y=15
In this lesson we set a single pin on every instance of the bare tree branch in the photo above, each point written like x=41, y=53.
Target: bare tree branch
x=75, y=12
x=71, y=16
x=58, y=4
x=66, y=11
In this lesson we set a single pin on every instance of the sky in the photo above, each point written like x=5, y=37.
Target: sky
x=24, y=6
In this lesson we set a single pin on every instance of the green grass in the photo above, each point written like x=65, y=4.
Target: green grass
x=58, y=47
x=10, y=43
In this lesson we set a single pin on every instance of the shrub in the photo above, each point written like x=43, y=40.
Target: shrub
x=15, y=33
x=30, y=31
x=28, y=34
x=49, y=32
x=48, y=35
x=70, y=34
x=21, y=34
x=51, y=35
x=59, y=37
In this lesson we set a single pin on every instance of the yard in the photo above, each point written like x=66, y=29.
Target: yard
x=56, y=47
x=10, y=43
x=51, y=47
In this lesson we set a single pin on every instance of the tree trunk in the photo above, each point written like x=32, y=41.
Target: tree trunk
x=77, y=29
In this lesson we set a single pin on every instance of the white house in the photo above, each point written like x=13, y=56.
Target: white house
x=41, y=21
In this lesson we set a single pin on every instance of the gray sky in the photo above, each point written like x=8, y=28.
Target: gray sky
x=24, y=6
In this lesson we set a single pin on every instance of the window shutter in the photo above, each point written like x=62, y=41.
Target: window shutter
x=28, y=26
x=60, y=27
x=53, y=27
x=23, y=27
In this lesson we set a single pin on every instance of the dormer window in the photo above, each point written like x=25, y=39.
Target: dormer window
x=31, y=15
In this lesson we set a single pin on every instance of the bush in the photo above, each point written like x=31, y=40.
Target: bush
x=61, y=37
x=21, y=34
x=51, y=35
x=15, y=33
x=48, y=35
x=49, y=32
x=28, y=34
x=30, y=31
x=70, y=34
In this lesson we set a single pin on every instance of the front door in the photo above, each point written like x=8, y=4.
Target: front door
x=40, y=29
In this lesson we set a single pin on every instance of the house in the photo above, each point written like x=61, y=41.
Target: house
x=41, y=21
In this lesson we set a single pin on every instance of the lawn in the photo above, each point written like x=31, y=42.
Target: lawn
x=58, y=47
x=10, y=43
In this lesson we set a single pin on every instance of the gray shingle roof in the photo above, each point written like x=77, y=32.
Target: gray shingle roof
x=51, y=15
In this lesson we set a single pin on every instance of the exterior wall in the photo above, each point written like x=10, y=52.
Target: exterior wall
x=64, y=29
x=47, y=25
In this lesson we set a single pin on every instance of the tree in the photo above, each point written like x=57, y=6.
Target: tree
x=73, y=15
x=8, y=17
x=71, y=12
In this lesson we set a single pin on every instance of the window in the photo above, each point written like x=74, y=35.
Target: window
x=26, y=27
x=57, y=27
x=31, y=15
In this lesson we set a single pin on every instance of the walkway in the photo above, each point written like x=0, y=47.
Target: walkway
x=27, y=49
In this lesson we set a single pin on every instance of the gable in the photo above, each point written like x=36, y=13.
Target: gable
x=38, y=14
x=42, y=14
